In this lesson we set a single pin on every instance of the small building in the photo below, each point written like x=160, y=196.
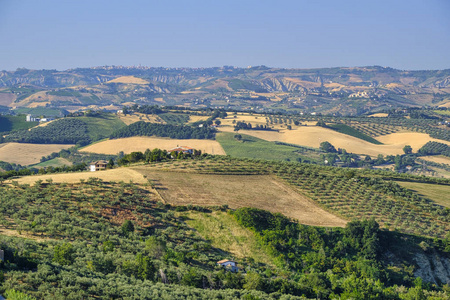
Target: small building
x=46, y=119
x=30, y=118
x=98, y=165
x=184, y=149
x=229, y=265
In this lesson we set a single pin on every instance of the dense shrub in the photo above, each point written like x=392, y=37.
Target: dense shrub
x=164, y=130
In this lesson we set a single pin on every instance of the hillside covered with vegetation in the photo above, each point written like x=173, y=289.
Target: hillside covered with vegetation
x=102, y=239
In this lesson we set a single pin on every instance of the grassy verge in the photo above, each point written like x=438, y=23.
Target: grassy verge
x=252, y=147
x=342, y=128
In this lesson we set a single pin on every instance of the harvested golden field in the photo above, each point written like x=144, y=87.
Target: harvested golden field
x=119, y=174
x=446, y=104
x=414, y=139
x=128, y=145
x=260, y=191
x=28, y=154
x=136, y=117
x=440, y=159
x=379, y=115
x=39, y=104
x=193, y=119
x=312, y=136
x=393, y=85
x=244, y=117
x=129, y=79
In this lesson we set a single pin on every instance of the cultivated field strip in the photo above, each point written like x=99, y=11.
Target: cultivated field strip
x=352, y=196
x=259, y=191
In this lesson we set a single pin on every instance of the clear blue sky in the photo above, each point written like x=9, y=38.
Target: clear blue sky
x=62, y=34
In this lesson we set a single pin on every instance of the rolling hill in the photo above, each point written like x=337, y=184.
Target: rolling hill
x=160, y=229
x=330, y=90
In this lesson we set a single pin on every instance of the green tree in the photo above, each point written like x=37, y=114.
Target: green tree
x=127, y=227
x=63, y=254
x=110, y=164
x=253, y=281
x=407, y=149
x=327, y=147
x=16, y=295
x=155, y=247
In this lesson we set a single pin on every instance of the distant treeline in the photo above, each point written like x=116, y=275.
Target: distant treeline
x=48, y=170
x=64, y=131
x=155, y=155
x=242, y=125
x=13, y=173
x=164, y=130
x=6, y=166
x=143, y=109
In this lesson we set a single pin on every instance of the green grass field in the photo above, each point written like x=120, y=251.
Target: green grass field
x=174, y=119
x=252, y=147
x=223, y=231
x=342, y=128
x=102, y=126
x=56, y=162
x=13, y=123
x=437, y=193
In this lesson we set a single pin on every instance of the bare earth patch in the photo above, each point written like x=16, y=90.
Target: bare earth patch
x=28, y=154
x=260, y=191
x=119, y=174
x=128, y=145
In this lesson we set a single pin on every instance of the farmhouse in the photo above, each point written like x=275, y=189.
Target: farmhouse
x=184, y=149
x=30, y=118
x=98, y=165
x=228, y=264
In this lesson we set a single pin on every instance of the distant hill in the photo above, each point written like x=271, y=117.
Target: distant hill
x=328, y=90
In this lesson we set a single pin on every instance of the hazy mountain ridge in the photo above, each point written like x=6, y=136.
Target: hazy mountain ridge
x=354, y=90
